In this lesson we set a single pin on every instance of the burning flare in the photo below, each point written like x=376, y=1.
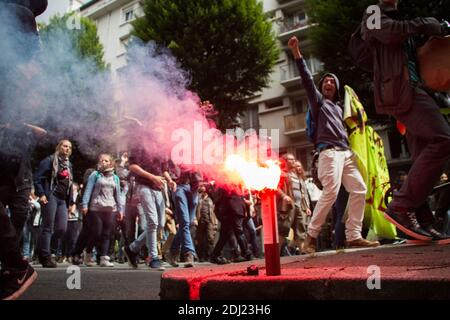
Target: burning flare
x=254, y=176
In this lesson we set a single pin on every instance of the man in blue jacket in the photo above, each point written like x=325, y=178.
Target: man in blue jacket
x=337, y=163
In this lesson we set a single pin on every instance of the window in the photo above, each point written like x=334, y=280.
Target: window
x=250, y=119
x=304, y=155
x=274, y=104
x=299, y=106
x=314, y=65
x=123, y=46
x=128, y=14
x=299, y=17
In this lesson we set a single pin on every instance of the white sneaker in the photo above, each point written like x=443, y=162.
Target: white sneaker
x=88, y=262
x=104, y=262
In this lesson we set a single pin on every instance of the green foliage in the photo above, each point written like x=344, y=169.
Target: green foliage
x=72, y=54
x=227, y=46
x=84, y=36
x=338, y=19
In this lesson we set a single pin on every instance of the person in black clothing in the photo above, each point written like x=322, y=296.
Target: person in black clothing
x=17, y=140
x=399, y=92
x=231, y=211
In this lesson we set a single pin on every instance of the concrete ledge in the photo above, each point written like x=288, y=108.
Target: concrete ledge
x=406, y=272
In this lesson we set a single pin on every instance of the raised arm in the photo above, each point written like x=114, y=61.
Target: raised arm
x=314, y=96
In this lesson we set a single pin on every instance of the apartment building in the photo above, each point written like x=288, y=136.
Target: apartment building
x=283, y=104
x=113, y=18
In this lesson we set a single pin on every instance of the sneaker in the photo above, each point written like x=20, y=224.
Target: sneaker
x=156, y=264
x=310, y=244
x=219, y=260
x=76, y=259
x=189, y=259
x=407, y=222
x=47, y=262
x=131, y=257
x=105, y=262
x=238, y=259
x=15, y=282
x=362, y=243
x=438, y=237
x=171, y=258
x=88, y=262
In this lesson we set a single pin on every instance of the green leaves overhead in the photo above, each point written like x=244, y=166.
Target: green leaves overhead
x=227, y=46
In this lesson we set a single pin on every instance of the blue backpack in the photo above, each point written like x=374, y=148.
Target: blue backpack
x=311, y=132
x=311, y=126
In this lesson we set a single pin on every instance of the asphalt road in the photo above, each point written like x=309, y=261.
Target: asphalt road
x=118, y=283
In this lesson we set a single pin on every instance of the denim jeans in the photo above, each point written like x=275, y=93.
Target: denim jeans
x=131, y=214
x=185, y=204
x=82, y=238
x=249, y=225
x=339, y=210
x=54, y=223
x=27, y=248
x=153, y=207
x=70, y=239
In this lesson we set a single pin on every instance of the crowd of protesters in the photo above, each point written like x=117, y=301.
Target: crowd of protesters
x=115, y=216
x=146, y=208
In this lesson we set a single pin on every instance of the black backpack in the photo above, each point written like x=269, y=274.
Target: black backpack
x=360, y=51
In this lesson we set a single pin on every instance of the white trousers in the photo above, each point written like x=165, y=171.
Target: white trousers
x=336, y=168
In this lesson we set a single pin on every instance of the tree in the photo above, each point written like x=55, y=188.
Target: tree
x=83, y=36
x=338, y=19
x=72, y=64
x=227, y=46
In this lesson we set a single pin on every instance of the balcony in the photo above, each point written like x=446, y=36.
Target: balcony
x=290, y=77
x=295, y=125
x=289, y=27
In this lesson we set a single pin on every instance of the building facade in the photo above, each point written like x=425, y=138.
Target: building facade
x=59, y=7
x=281, y=106
x=113, y=18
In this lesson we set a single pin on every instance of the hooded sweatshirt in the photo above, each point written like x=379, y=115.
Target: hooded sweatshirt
x=330, y=130
x=102, y=192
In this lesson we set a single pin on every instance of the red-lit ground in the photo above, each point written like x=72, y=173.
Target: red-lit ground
x=406, y=272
